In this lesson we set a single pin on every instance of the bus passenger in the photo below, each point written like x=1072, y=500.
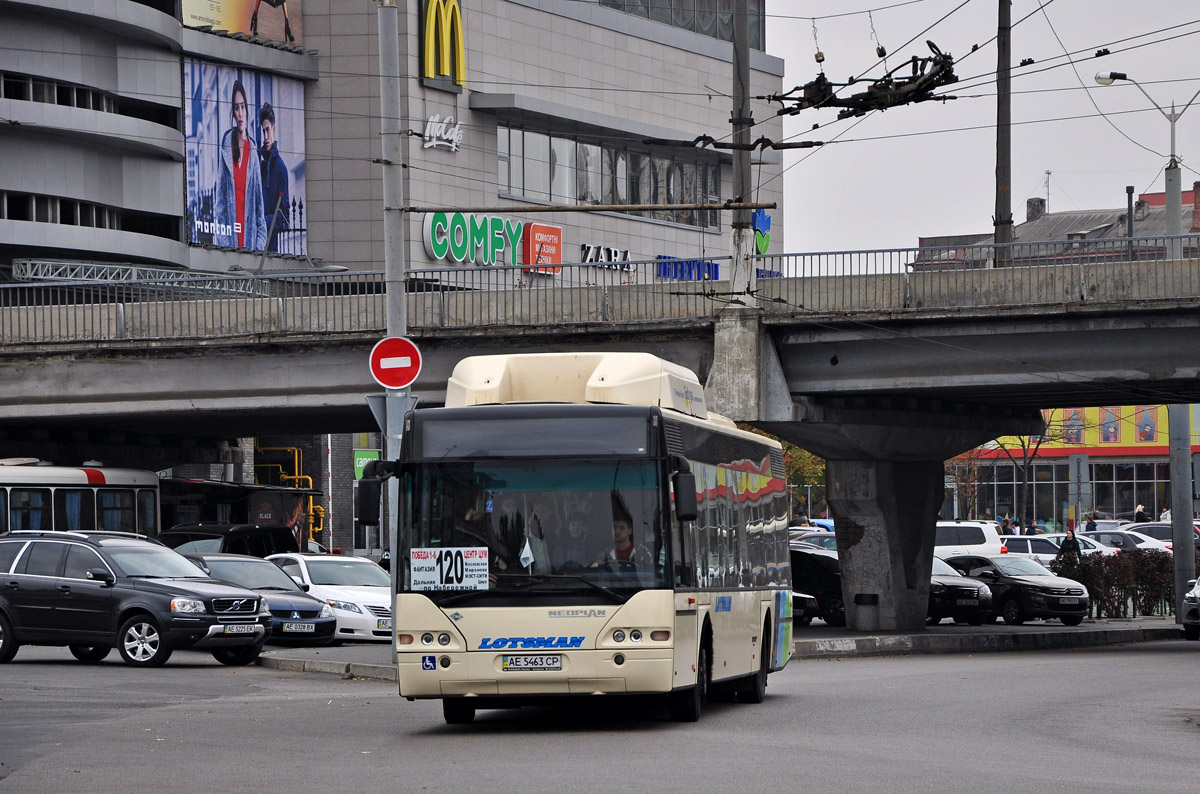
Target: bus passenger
x=573, y=548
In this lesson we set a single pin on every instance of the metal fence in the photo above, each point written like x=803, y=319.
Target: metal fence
x=834, y=284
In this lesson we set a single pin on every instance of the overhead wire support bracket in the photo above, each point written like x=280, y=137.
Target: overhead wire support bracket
x=927, y=74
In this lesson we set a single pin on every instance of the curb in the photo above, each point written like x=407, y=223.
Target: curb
x=976, y=643
x=380, y=672
x=873, y=645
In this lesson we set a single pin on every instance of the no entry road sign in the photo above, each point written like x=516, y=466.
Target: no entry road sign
x=395, y=362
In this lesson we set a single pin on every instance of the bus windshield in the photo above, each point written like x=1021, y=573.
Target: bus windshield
x=534, y=526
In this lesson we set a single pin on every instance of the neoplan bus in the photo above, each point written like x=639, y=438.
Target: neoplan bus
x=68, y=498
x=578, y=525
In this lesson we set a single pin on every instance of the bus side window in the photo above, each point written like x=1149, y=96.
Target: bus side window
x=74, y=508
x=3, y=510
x=31, y=508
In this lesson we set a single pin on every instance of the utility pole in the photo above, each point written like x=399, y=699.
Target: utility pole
x=1003, y=217
x=742, y=282
x=1179, y=434
x=396, y=401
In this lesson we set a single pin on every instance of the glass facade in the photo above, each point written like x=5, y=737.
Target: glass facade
x=706, y=17
x=567, y=170
x=1118, y=487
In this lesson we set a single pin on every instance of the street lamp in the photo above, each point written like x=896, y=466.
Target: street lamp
x=1174, y=187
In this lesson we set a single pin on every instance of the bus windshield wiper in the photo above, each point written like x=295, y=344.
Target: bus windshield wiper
x=541, y=578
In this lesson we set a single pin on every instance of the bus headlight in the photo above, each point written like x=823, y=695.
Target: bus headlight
x=443, y=639
x=427, y=639
x=635, y=635
x=618, y=636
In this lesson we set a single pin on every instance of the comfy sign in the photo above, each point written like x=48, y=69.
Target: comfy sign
x=470, y=238
x=542, y=246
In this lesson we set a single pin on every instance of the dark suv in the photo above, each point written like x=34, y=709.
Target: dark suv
x=255, y=540
x=93, y=591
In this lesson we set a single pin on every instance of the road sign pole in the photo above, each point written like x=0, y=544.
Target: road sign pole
x=391, y=138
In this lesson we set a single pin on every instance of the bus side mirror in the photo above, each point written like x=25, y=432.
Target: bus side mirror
x=684, y=485
x=367, y=501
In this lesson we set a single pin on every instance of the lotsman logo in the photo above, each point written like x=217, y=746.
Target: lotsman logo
x=525, y=643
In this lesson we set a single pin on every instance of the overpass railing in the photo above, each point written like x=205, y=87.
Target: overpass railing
x=928, y=280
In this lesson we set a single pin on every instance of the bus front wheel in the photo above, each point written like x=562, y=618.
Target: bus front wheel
x=686, y=704
x=458, y=711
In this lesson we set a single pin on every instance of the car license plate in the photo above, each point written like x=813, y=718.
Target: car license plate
x=1068, y=600
x=241, y=628
x=309, y=627
x=384, y=623
x=545, y=662
x=967, y=602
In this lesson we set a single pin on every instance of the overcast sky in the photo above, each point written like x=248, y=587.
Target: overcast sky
x=929, y=169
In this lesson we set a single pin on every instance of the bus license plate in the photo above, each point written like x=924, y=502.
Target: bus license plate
x=384, y=624
x=967, y=602
x=1068, y=600
x=242, y=628
x=545, y=662
x=309, y=627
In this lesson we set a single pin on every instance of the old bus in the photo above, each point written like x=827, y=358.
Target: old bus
x=36, y=496
x=580, y=524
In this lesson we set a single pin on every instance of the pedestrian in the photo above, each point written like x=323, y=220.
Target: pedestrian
x=1090, y=526
x=1141, y=514
x=1069, y=550
x=1166, y=515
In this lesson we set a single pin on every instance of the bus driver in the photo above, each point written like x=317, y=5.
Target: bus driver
x=624, y=552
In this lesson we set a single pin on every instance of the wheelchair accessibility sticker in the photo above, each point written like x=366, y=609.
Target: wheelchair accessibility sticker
x=428, y=663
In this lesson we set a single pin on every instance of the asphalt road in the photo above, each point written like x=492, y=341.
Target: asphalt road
x=1115, y=719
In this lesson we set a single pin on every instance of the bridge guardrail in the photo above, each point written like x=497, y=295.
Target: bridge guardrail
x=831, y=284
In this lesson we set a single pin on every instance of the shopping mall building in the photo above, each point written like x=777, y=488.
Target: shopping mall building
x=227, y=136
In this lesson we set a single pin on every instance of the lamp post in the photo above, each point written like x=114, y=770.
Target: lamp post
x=1174, y=187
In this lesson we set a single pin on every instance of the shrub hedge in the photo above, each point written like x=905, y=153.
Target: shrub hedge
x=1147, y=576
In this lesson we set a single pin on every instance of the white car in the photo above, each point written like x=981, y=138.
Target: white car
x=358, y=590
x=1191, y=612
x=1086, y=545
x=954, y=538
x=1035, y=547
x=1125, y=540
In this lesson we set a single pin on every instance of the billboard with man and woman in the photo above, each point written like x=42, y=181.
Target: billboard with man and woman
x=244, y=143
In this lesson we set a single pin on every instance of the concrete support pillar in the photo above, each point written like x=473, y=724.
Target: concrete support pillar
x=884, y=516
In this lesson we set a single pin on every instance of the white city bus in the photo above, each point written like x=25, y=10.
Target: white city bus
x=579, y=524
x=35, y=496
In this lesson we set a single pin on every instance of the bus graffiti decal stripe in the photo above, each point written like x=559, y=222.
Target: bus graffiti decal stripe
x=94, y=476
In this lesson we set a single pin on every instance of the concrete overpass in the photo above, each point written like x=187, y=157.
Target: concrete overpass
x=885, y=374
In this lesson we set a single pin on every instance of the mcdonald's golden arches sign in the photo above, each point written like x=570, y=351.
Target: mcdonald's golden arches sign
x=443, y=47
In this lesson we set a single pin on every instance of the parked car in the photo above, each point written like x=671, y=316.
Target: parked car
x=256, y=540
x=804, y=608
x=967, y=537
x=1191, y=612
x=1162, y=530
x=819, y=538
x=952, y=595
x=1024, y=589
x=1035, y=547
x=1110, y=523
x=296, y=616
x=1086, y=545
x=95, y=591
x=816, y=571
x=358, y=590
x=1125, y=540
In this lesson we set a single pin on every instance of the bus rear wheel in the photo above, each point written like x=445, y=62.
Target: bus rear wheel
x=687, y=704
x=457, y=711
